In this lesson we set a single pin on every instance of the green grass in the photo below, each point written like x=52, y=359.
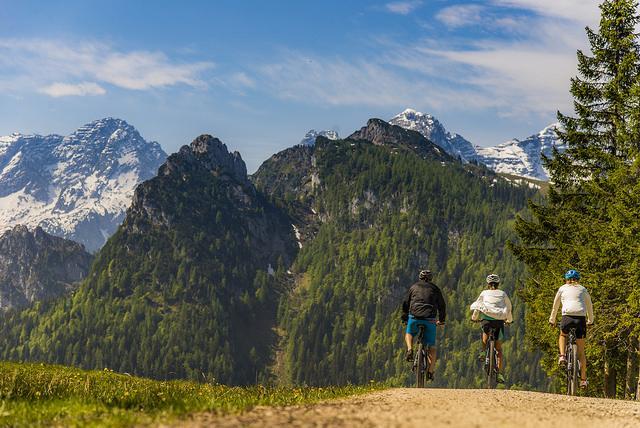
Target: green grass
x=38, y=394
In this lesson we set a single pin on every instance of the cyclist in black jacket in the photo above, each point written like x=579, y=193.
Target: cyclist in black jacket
x=423, y=305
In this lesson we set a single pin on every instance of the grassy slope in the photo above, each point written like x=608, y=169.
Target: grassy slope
x=38, y=394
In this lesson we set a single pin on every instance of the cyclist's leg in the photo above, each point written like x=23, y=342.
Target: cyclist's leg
x=562, y=339
x=410, y=332
x=562, y=342
x=430, y=341
x=432, y=359
x=485, y=325
x=408, y=339
x=499, y=349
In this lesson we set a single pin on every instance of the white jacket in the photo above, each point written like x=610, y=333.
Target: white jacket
x=575, y=300
x=494, y=304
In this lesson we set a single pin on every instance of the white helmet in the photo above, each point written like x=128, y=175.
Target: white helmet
x=493, y=278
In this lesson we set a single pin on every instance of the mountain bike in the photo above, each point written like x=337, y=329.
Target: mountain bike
x=421, y=360
x=573, y=362
x=491, y=360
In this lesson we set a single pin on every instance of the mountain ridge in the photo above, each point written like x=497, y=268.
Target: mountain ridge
x=515, y=157
x=76, y=186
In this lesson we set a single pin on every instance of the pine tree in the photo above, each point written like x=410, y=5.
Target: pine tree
x=582, y=222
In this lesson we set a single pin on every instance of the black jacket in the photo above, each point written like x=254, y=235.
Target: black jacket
x=424, y=300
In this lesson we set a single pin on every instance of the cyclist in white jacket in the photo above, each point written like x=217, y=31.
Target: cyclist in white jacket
x=493, y=309
x=577, y=312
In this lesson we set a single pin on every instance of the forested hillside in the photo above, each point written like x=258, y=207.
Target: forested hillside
x=382, y=212
x=205, y=280
x=186, y=288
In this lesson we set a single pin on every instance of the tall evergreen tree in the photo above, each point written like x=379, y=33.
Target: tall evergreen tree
x=573, y=226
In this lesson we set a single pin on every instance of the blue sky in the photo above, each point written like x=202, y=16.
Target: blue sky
x=259, y=74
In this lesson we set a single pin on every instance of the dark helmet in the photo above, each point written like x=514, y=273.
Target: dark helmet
x=572, y=274
x=425, y=275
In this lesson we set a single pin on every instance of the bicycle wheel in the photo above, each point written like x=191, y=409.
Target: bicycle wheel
x=491, y=368
x=420, y=368
x=568, y=368
x=574, y=369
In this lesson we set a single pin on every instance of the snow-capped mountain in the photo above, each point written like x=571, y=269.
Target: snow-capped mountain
x=522, y=158
x=78, y=186
x=517, y=157
x=310, y=137
x=430, y=127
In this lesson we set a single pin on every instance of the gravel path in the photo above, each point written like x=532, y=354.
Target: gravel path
x=440, y=408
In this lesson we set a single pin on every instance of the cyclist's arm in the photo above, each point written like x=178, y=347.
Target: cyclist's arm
x=476, y=313
x=556, y=306
x=406, y=304
x=589, y=305
x=509, y=308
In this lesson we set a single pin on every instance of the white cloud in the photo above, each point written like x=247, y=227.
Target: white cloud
x=460, y=15
x=583, y=11
x=403, y=7
x=66, y=89
x=338, y=82
x=523, y=76
x=45, y=62
x=241, y=79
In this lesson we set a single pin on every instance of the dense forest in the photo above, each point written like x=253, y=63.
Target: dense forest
x=590, y=220
x=186, y=288
x=385, y=213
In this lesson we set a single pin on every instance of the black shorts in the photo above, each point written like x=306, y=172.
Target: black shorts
x=497, y=325
x=579, y=323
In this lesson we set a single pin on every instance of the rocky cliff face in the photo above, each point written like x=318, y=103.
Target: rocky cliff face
x=37, y=266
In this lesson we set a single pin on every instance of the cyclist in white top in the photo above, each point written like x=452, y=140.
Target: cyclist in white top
x=577, y=312
x=493, y=309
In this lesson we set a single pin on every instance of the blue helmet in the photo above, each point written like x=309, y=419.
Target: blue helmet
x=572, y=274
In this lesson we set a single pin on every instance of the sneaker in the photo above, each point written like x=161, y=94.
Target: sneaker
x=500, y=378
x=409, y=356
x=562, y=360
x=584, y=383
x=429, y=376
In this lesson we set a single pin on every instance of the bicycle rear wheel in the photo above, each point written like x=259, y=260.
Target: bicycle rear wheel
x=574, y=369
x=420, y=368
x=492, y=380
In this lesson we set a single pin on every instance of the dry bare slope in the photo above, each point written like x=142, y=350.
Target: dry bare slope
x=441, y=408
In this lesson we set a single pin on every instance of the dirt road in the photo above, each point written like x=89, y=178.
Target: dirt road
x=441, y=408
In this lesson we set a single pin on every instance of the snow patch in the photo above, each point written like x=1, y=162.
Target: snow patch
x=297, y=233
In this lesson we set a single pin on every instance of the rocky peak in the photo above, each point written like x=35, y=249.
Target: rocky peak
x=434, y=131
x=310, y=137
x=210, y=153
x=380, y=132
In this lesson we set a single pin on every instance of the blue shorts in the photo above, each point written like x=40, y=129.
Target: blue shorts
x=429, y=338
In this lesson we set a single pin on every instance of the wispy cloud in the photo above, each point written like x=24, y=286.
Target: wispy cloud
x=583, y=11
x=339, y=82
x=522, y=76
x=242, y=79
x=86, y=67
x=79, y=89
x=460, y=15
x=403, y=7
